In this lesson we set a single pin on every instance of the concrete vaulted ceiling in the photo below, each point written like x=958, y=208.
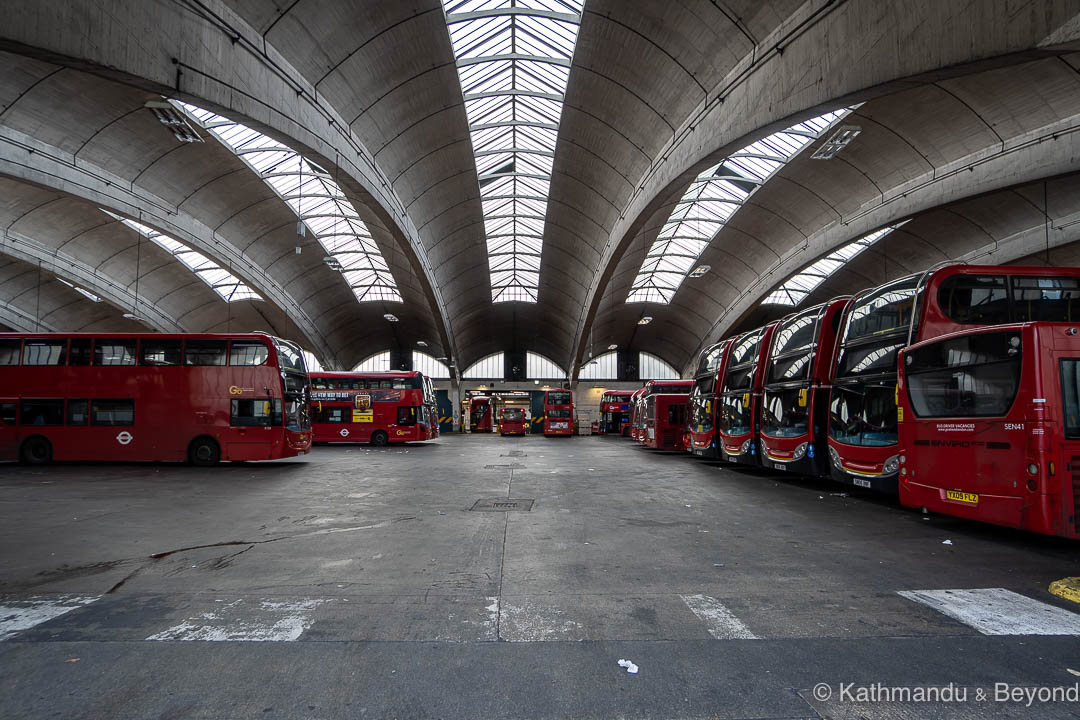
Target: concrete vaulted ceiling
x=966, y=109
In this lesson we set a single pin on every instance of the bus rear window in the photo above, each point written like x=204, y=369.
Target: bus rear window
x=9, y=352
x=975, y=299
x=558, y=398
x=1046, y=298
x=971, y=376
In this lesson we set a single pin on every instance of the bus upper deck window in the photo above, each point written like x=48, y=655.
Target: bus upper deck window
x=9, y=352
x=44, y=352
x=975, y=299
x=161, y=352
x=114, y=352
x=79, y=353
x=204, y=352
x=247, y=352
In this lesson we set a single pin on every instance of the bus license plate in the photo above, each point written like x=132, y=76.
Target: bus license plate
x=779, y=466
x=962, y=497
x=861, y=483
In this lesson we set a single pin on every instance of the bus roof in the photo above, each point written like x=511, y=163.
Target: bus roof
x=366, y=374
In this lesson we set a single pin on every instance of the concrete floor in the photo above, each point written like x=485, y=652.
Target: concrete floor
x=134, y=591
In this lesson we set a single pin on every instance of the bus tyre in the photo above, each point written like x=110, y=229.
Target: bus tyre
x=379, y=438
x=36, y=450
x=204, y=452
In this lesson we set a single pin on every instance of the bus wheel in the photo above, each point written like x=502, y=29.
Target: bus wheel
x=204, y=452
x=379, y=438
x=36, y=450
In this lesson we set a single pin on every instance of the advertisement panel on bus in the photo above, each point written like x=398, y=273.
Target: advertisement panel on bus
x=369, y=407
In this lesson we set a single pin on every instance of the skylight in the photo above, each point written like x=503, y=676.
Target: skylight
x=798, y=286
x=513, y=59
x=315, y=198
x=711, y=200
x=224, y=283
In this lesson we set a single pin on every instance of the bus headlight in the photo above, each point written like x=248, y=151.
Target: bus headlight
x=891, y=465
x=747, y=447
x=800, y=452
x=1033, y=469
x=835, y=457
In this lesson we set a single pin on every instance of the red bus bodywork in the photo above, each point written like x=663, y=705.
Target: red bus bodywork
x=739, y=401
x=152, y=397
x=880, y=321
x=795, y=393
x=369, y=407
x=989, y=426
x=480, y=412
x=615, y=413
x=637, y=414
x=640, y=415
x=512, y=421
x=703, y=401
x=432, y=408
x=558, y=412
x=665, y=420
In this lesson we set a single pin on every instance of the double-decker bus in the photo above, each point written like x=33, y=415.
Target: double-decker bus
x=431, y=409
x=615, y=413
x=152, y=397
x=666, y=416
x=703, y=401
x=881, y=321
x=795, y=391
x=637, y=414
x=739, y=400
x=640, y=416
x=558, y=412
x=989, y=426
x=512, y=421
x=480, y=414
x=369, y=407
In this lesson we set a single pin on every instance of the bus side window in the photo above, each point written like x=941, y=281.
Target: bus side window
x=80, y=351
x=7, y=413
x=204, y=352
x=161, y=352
x=247, y=352
x=406, y=416
x=253, y=412
x=112, y=412
x=44, y=352
x=114, y=352
x=77, y=412
x=42, y=412
x=9, y=352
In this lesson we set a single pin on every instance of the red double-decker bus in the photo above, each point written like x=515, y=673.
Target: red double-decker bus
x=558, y=412
x=615, y=413
x=666, y=415
x=703, y=401
x=637, y=414
x=640, y=418
x=795, y=392
x=369, y=407
x=989, y=426
x=512, y=421
x=739, y=410
x=431, y=409
x=152, y=397
x=880, y=321
x=480, y=414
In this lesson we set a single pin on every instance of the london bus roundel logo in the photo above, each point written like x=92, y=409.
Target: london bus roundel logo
x=344, y=432
x=124, y=438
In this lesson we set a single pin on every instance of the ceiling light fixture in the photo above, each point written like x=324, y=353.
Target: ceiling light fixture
x=645, y=320
x=421, y=343
x=173, y=119
x=613, y=347
x=390, y=318
x=332, y=262
x=839, y=140
x=699, y=271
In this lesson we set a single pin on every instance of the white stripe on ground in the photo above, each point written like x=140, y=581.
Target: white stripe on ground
x=537, y=623
x=718, y=619
x=19, y=615
x=997, y=611
x=236, y=621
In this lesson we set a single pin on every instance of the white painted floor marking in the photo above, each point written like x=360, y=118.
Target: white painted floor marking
x=537, y=623
x=722, y=624
x=997, y=611
x=239, y=622
x=19, y=615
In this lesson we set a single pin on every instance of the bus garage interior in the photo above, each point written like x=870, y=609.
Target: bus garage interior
x=539, y=358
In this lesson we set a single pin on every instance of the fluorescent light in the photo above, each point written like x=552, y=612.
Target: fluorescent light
x=645, y=320
x=700, y=270
x=421, y=343
x=839, y=140
x=171, y=118
x=390, y=318
x=613, y=347
x=85, y=293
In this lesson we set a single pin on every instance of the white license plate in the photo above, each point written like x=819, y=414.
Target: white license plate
x=299, y=452
x=779, y=466
x=861, y=483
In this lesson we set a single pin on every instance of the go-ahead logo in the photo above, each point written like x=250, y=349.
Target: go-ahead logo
x=124, y=437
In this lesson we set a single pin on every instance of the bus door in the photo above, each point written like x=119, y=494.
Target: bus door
x=251, y=420
x=1069, y=366
x=9, y=438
